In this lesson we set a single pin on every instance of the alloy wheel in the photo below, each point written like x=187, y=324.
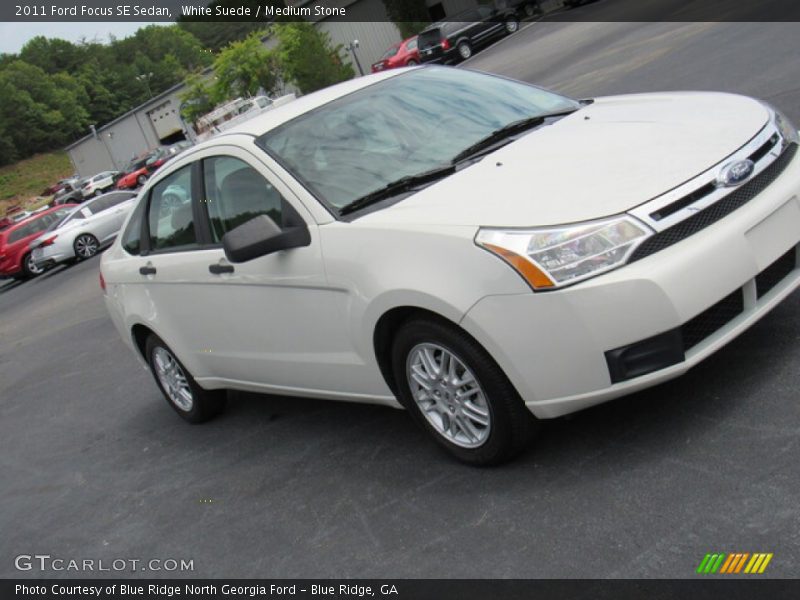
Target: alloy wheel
x=86, y=246
x=32, y=267
x=173, y=379
x=448, y=395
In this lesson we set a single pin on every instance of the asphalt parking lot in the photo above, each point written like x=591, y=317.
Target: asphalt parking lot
x=94, y=464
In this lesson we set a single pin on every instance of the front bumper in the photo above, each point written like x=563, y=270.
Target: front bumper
x=554, y=345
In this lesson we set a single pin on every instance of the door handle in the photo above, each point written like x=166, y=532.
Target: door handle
x=219, y=269
x=148, y=269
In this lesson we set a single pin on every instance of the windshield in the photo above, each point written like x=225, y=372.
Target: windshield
x=400, y=127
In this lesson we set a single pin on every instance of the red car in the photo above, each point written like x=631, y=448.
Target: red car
x=140, y=169
x=403, y=54
x=15, y=256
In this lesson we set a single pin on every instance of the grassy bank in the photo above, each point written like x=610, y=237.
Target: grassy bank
x=23, y=182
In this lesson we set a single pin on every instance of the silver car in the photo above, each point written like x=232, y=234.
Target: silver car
x=84, y=231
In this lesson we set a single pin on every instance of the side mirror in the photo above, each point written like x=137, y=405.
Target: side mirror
x=261, y=236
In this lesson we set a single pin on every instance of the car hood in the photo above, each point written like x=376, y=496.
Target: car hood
x=606, y=158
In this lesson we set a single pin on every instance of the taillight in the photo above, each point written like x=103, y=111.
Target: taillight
x=445, y=44
x=48, y=242
x=102, y=282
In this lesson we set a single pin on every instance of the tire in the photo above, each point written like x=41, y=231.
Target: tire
x=512, y=26
x=464, y=50
x=531, y=9
x=412, y=63
x=189, y=400
x=141, y=179
x=488, y=426
x=29, y=268
x=85, y=246
x=98, y=193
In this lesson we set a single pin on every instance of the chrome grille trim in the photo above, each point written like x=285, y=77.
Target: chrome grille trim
x=645, y=212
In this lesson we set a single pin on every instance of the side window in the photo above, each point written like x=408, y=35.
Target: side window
x=116, y=199
x=131, y=238
x=235, y=193
x=99, y=205
x=170, y=212
x=412, y=45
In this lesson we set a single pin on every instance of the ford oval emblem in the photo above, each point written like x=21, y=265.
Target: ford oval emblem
x=735, y=173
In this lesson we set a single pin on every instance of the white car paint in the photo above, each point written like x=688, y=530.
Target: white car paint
x=99, y=183
x=91, y=217
x=302, y=321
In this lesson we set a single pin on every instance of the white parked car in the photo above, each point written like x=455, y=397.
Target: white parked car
x=474, y=249
x=100, y=183
x=84, y=231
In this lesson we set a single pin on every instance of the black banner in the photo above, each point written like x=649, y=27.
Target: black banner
x=404, y=589
x=375, y=10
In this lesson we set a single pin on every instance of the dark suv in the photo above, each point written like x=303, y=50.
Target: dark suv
x=454, y=40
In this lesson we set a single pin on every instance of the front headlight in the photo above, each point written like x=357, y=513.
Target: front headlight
x=554, y=257
x=786, y=128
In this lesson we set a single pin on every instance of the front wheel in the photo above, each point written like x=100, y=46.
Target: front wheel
x=458, y=393
x=189, y=400
x=411, y=63
x=141, y=179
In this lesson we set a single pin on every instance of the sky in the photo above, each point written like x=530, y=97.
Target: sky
x=14, y=35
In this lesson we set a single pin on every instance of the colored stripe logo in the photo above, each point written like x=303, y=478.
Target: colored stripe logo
x=733, y=563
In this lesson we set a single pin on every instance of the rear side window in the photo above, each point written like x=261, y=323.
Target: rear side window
x=235, y=193
x=170, y=218
x=429, y=38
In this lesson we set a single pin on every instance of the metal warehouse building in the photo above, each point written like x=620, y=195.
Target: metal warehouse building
x=158, y=121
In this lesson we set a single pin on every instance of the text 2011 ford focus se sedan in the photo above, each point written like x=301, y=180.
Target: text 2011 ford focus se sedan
x=474, y=249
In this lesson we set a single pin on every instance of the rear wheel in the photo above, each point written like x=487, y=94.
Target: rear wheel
x=464, y=50
x=141, y=179
x=411, y=63
x=85, y=246
x=456, y=391
x=29, y=268
x=512, y=25
x=189, y=400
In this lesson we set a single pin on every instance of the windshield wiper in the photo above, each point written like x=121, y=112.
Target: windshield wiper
x=505, y=132
x=404, y=184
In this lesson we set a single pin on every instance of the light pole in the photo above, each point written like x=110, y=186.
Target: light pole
x=146, y=78
x=352, y=48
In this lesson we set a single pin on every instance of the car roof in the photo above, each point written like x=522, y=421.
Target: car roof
x=34, y=216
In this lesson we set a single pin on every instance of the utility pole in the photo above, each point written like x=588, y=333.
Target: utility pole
x=352, y=48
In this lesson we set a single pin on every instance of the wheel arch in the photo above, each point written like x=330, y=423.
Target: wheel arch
x=139, y=335
x=386, y=328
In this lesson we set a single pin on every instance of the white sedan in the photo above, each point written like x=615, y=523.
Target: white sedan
x=84, y=231
x=476, y=250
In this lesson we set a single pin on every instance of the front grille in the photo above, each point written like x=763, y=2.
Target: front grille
x=717, y=211
x=776, y=272
x=712, y=319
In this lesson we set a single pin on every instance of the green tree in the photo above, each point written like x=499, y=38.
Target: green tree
x=52, y=55
x=307, y=57
x=39, y=112
x=242, y=68
x=410, y=16
x=198, y=99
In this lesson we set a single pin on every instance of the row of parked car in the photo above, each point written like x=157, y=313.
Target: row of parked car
x=134, y=175
x=85, y=216
x=458, y=37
